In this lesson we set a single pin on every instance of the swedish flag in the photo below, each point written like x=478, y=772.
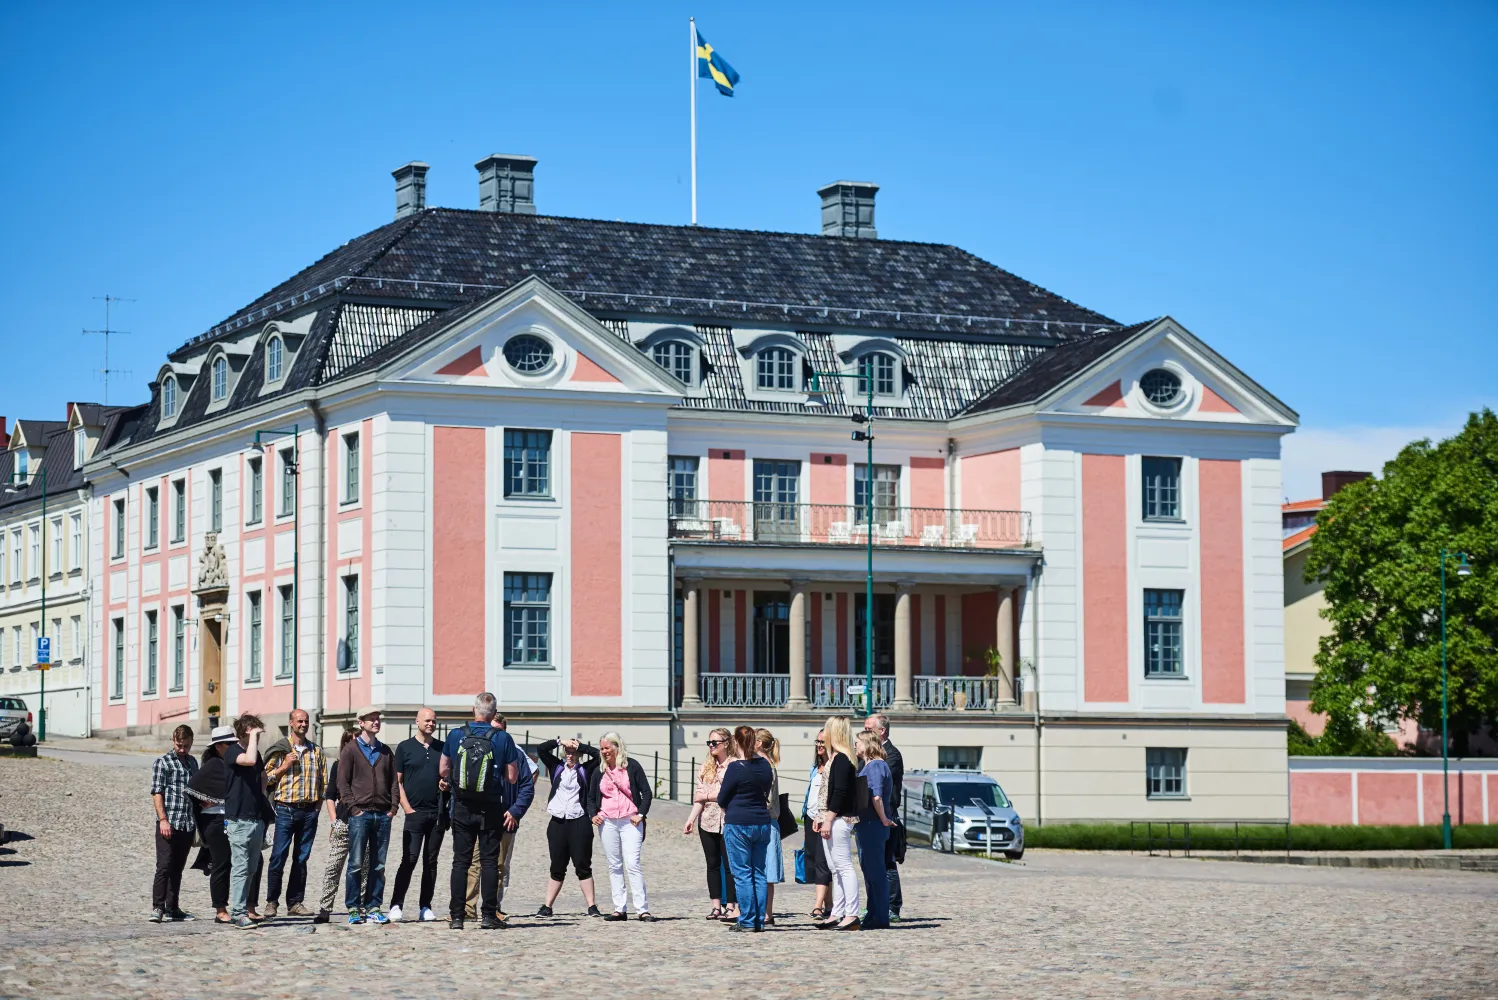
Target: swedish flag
x=714, y=67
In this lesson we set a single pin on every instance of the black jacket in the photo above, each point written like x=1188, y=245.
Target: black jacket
x=842, y=786
x=587, y=762
x=897, y=775
x=639, y=789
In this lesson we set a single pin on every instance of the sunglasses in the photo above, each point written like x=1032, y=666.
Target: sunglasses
x=820, y=743
x=716, y=743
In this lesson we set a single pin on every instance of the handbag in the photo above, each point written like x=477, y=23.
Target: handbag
x=800, y=866
x=787, y=822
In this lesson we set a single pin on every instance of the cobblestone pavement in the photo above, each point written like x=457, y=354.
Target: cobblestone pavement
x=75, y=898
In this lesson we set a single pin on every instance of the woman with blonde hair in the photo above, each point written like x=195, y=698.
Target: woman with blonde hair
x=769, y=748
x=839, y=814
x=707, y=817
x=873, y=828
x=618, y=800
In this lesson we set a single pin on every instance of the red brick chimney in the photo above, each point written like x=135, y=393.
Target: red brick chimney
x=1331, y=482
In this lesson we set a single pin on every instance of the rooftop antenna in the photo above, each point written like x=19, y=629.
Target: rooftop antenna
x=107, y=371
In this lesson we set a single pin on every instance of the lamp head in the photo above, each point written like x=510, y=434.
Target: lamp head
x=1464, y=568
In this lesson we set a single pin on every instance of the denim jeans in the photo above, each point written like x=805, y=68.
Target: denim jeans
x=246, y=837
x=747, y=848
x=298, y=823
x=872, y=836
x=368, y=837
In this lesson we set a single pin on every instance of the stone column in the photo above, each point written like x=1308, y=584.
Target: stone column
x=797, y=698
x=904, y=683
x=691, y=613
x=1005, y=643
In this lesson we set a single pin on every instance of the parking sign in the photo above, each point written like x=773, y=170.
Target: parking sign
x=44, y=649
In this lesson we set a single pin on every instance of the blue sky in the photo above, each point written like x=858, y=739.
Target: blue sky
x=1309, y=187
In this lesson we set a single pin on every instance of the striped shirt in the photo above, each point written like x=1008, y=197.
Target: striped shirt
x=306, y=782
x=169, y=777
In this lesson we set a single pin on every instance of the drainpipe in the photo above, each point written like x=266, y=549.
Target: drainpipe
x=320, y=424
x=672, y=715
x=1035, y=569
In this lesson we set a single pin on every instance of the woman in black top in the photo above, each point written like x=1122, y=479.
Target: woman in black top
x=207, y=789
x=839, y=813
x=748, y=827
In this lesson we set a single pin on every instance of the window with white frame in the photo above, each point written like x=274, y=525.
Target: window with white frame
x=351, y=467
x=886, y=493
x=959, y=758
x=287, y=659
x=527, y=619
x=215, y=501
x=677, y=357
x=77, y=634
x=1165, y=772
x=119, y=528
x=179, y=510
x=179, y=647
x=153, y=518
x=775, y=368
x=31, y=650
x=1161, y=479
x=16, y=568
x=527, y=463
x=80, y=447
x=681, y=485
x=1163, y=627
x=288, y=481
x=220, y=378
x=877, y=368
x=169, y=398
x=256, y=491
x=19, y=644
x=274, y=351
x=152, y=644
x=252, y=669
x=23, y=465
x=75, y=542
x=55, y=564
x=117, y=664
x=350, y=662
x=36, y=551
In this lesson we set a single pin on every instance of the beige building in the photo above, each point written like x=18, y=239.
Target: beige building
x=44, y=563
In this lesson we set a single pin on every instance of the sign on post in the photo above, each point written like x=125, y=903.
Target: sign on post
x=43, y=650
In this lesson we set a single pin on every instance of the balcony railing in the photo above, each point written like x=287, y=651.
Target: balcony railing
x=745, y=690
x=843, y=524
x=831, y=691
x=972, y=694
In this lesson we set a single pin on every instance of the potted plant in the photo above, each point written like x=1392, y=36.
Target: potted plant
x=212, y=715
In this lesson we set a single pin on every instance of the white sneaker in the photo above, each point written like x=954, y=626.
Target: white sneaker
x=396, y=914
x=427, y=914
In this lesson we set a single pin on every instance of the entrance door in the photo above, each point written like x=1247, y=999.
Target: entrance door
x=772, y=633
x=211, y=656
x=884, y=634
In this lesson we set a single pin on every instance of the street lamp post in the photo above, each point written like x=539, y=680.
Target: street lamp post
x=1463, y=568
x=17, y=481
x=296, y=549
x=866, y=435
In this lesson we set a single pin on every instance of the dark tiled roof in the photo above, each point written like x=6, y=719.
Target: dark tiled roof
x=57, y=459
x=1053, y=366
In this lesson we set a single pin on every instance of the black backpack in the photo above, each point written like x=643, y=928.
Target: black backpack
x=473, y=764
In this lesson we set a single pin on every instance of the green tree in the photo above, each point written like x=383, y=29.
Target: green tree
x=1378, y=548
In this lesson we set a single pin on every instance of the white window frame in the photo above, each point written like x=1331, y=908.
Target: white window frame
x=170, y=398
x=34, y=549
x=75, y=542
x=153, y=513
x=1164, y=766
x=57, y=552
x=179, y=511
x=80, y=447
x=117, y=664
x=218, y=379
x=118, y=527
x=352, y=455
x=275, y=360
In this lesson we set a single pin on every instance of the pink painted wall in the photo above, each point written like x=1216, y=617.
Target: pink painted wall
x=597, y=564
x=1387, y=798
x=113, y=714
x=829, y=478
x=1105, y=638
x=940, y=625
x=917, y=665
x=725, y=474
x=459, y=593
x=980, y=619
x=715, y=631
x=1321, y=797
x=990, y=481
x=1213, y=403
x=588, y=370
x=814, y=624
x=928, y=481
x=1299, y=709
x=843, y=629
x=1392, y=797
x=1466, y=798
x=1221, y=503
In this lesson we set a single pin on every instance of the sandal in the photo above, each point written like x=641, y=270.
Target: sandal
x=717, y=914
x=819, y=913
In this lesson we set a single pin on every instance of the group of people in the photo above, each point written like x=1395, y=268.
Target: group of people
x=479, y=784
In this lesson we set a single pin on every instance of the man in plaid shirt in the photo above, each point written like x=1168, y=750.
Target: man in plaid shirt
x=174, y=824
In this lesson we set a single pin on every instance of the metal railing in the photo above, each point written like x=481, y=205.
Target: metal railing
x=1170, y=838
x=745, y=690
x=971, y=694
x=831, y=691
x=738, y=521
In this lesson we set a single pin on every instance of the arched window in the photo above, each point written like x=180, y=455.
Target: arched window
x=1161, y=386
x=528, y=354
x=678, y=358
x=169, y=398
x=274, y=351
x=877, y=368
x=775, y=368
x=220, y=378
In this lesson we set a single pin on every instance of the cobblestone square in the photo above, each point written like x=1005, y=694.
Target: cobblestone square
x=77, y=892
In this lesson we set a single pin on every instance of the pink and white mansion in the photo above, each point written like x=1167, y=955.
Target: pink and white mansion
x=581, y=464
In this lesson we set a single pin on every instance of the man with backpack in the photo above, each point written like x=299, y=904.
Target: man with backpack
x=476, y=761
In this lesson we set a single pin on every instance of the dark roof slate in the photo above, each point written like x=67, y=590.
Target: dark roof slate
x=57, y=459
x=1051, y=367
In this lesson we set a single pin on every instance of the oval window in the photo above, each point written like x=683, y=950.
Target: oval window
x=528, y=354
x=1161, y=387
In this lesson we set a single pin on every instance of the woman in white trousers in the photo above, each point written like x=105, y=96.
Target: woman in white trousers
x=618, y=800
x=839, y=813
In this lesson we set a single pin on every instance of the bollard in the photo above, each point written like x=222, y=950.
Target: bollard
x=655, y=777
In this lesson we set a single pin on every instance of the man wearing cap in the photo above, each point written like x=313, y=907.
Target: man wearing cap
x=295, y=773
x=366, y=786
x=174, y=822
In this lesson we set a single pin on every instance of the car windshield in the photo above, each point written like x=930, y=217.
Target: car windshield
x=13, y=704
x=962, y=793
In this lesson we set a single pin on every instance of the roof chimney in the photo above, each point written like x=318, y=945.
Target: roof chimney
x=410, y=188
x=507, y=184
x=848, y=209
x=1331, y=482
x=4, y=438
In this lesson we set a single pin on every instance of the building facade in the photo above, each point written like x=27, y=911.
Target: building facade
x=607, y=471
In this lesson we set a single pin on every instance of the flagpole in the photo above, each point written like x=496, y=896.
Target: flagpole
x=692, y=82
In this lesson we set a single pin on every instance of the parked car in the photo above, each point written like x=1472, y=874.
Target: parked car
x=949, y=801
x=13, y=713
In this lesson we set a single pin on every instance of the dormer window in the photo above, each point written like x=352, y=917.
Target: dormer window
x=169, y=398
x=80, y=448
x=775, y=369
x=23, y=464
x=677, y=357
x=220, y=381
x=274, y=357
x=877, y=369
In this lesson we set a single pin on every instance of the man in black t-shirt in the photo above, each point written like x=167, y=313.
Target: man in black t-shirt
x=417, y=761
